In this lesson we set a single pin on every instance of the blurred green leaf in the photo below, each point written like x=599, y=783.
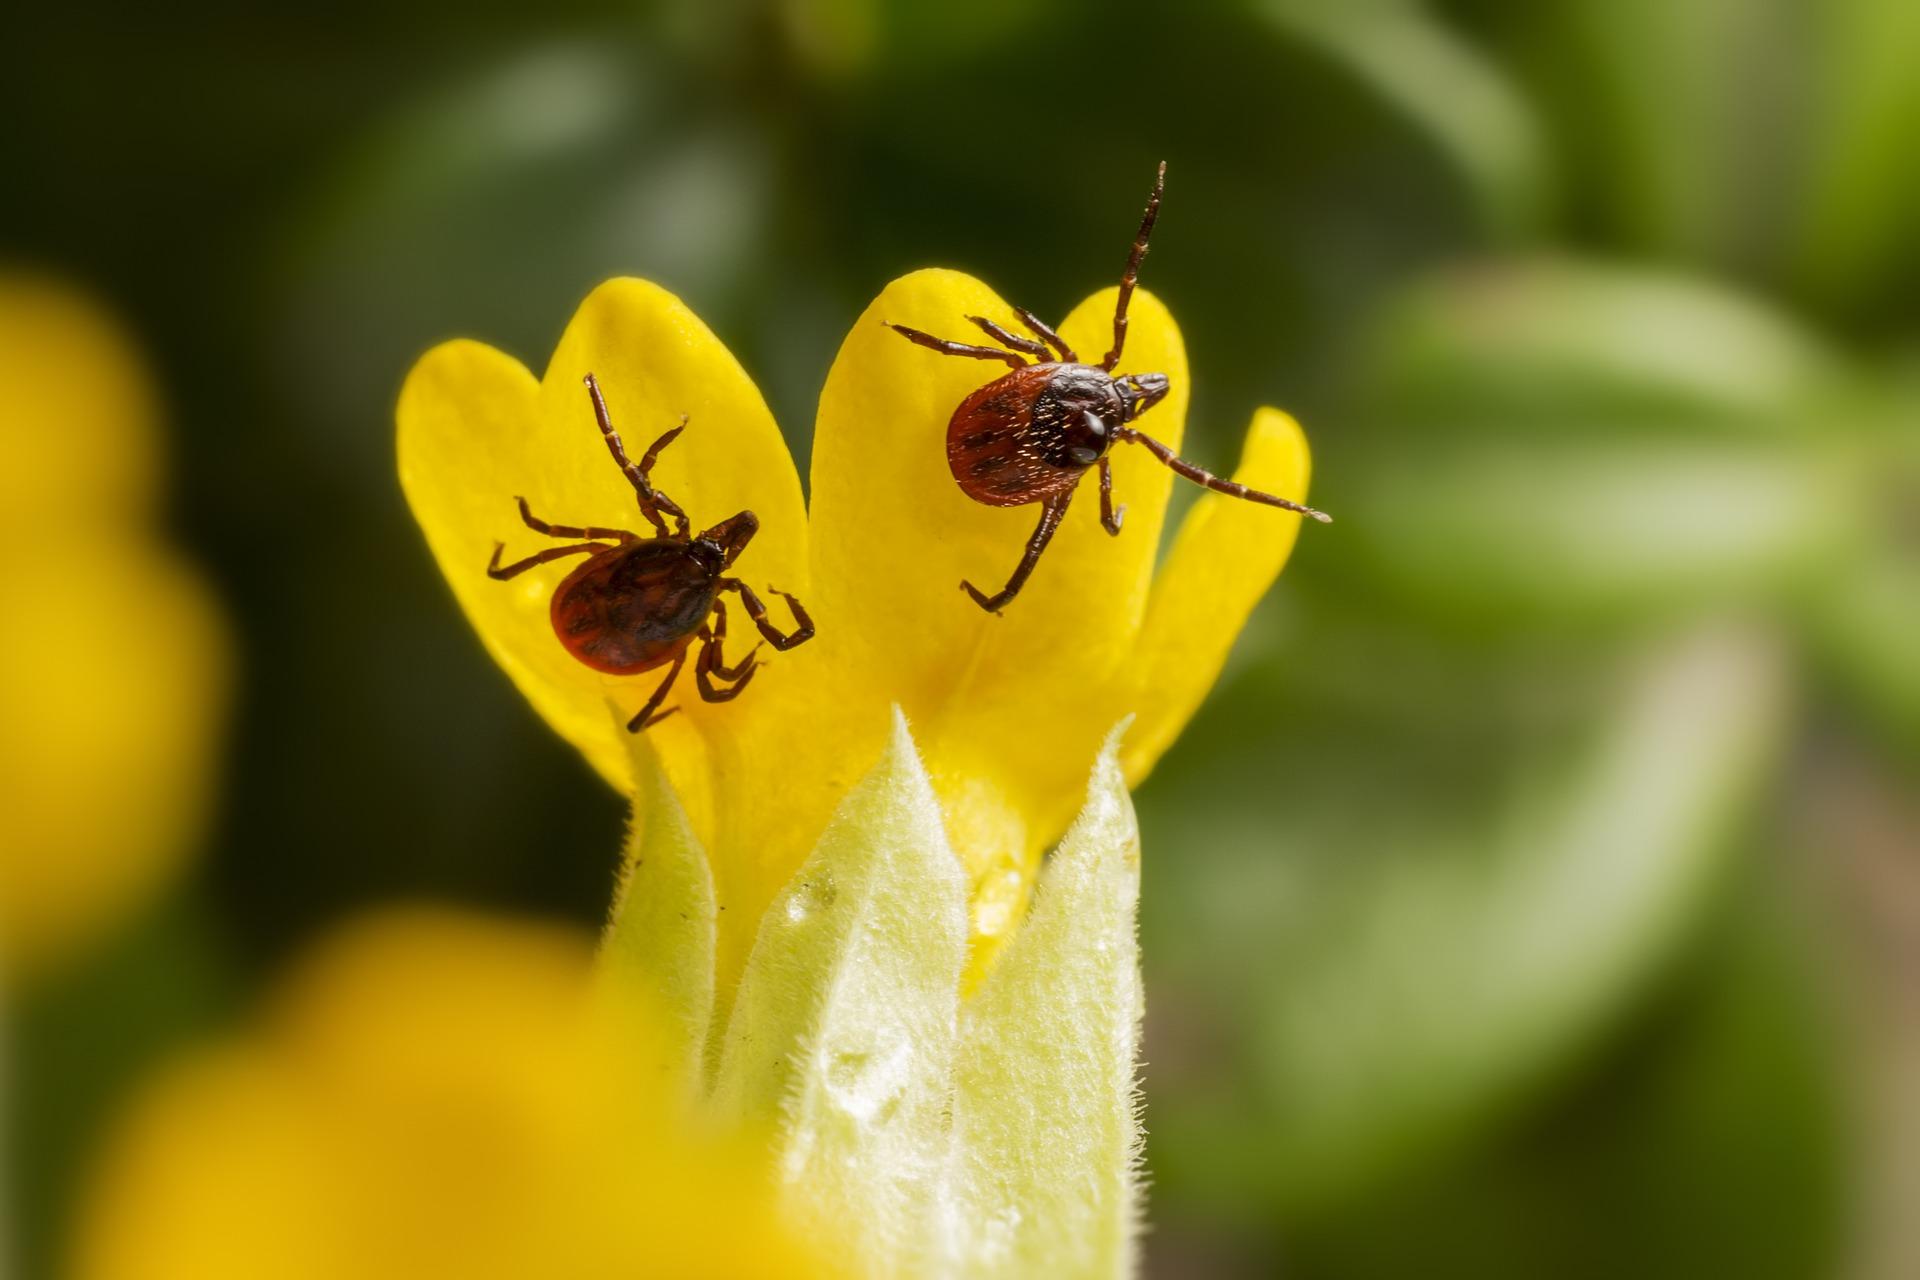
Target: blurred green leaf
x=1567, y=344
x=1670, y=118
x=493, y=205
x=79, y=1045
x=1548, y=440
x=1443, y=85
x=928, y=36
x=1862, y=193
x=1871, y=633
x=1711, y=1140
x=1429, y=919
x=1866, y=610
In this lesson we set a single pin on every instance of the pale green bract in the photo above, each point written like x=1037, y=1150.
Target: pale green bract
x=913, y=1131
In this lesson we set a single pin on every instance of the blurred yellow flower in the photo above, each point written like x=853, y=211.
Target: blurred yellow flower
x=113, y=660
x=431, y=1094
x=1008, y=711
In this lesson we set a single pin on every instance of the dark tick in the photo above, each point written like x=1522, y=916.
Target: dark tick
x=638, y=603
x=1028, y=436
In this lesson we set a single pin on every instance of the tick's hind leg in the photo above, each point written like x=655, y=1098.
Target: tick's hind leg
x=946, y=348
x=538, y=525
x=710, y=665
x=1200, y=475
x=802, y=631
x=500, y=573
x=645, y=717
x=1110, y=515
x=1050, y=515
x=652, y=501
x=716, y=639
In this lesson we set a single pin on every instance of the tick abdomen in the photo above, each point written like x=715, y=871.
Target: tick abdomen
x=631, y=608
x=1007, y=442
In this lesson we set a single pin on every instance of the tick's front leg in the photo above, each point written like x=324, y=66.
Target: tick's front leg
x=652, y=501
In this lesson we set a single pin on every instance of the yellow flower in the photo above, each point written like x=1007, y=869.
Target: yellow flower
x=431, y=1094
x=1009, y=712
x=113, y=659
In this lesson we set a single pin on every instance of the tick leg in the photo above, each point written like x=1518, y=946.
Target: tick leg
x=1014, y=340
x=1200, y=475
x=802, y=631
x=1131, y=276
x=651, y=456
x=1047, y=334
x=1110, y=515
x=500, y=573
x=645, y=717
x=709, y=665
x=1050, y=515
x=716, y=639
x=667, y=437
x=946, y=348
x=538, y=525
x=652, y=501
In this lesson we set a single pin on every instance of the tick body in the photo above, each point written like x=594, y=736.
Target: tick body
x=632, y=608
x=640, y=603
x=1031, y=434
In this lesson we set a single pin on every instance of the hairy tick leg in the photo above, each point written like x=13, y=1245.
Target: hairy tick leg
x=645, y=717
x=946, y=348
x=538, y=525
x=1050, y=515
x=1046, y=333
x=1200, y=475
x=1131, y=277
x=1040, y=354
x=1110, y=515
x=500, y=573
x=803, y=630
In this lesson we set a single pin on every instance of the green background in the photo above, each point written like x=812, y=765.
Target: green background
x=1539, y=893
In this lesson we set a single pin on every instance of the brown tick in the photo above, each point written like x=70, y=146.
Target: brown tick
x=638, y=603
x=1028, y=436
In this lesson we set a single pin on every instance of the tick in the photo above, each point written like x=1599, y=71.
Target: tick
x=1029, y=435
x=639, y=603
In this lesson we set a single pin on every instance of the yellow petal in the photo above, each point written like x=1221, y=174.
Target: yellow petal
x=476, y=429
x=434, y=1095
x=656, y=361
x=76, y=413
x=113, y=680
x=894, y=535
x=1226, y=555
x=1009, y=708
